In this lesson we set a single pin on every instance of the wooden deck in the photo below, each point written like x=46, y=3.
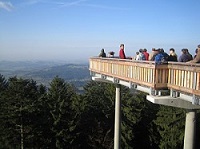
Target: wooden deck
x=182, y=77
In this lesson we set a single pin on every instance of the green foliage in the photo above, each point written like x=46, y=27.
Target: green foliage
x=61, y=114
x=197, y=145
x=95, y=126
x=138, y=130
x=170, y=123
x=3, y=84
x=34, y=116
x=17, y=107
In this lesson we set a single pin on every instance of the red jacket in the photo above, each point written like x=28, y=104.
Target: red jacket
x=122, y=54
x=146, y=55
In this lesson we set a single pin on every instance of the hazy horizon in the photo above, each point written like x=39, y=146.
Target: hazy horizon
x=78, y=54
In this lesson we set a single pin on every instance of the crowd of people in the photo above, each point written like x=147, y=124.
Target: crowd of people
x=159, y=55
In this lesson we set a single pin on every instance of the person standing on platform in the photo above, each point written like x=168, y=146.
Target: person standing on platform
x=172, y=55
x=137, y=56
x=196, y=51
x=121, y=52
x=152, y=54
x=185, y=57
x=141, y=55
x=191, y=58
x=146, y=54
x=197, y=58
x=102, y=54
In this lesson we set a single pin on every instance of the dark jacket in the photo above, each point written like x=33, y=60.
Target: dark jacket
x=184, y=58
x=102, y=54
x=172, y=58
x=166, y=56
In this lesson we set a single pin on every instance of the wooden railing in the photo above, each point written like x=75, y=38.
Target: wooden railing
x=139, y=72
x=177, y=76
x=184, y=77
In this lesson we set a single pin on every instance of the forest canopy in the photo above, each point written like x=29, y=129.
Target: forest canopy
x=36, y=116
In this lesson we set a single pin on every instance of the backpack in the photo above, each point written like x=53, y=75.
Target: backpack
x=159, y=58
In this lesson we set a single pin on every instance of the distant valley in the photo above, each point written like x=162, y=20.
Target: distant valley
x=43, y=72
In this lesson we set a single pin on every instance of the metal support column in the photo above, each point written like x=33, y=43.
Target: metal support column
x=190, y=129
x=117, y=133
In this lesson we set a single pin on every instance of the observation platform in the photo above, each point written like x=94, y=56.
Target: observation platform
x=172, y=84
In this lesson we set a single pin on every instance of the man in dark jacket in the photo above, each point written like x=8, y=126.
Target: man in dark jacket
x=184, y=56
x=172, y=55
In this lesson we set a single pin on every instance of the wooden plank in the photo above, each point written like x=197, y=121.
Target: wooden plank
x=163, y=76
x=170, y=77
x=198, y=79
x=188, y=79
x=176, y=83
x=183, y=78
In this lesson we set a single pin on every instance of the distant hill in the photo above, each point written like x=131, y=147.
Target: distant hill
x=67, y=71
x=76, y=74
x=44, y=72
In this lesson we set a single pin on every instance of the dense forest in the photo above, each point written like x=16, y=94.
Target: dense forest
x=36, y=116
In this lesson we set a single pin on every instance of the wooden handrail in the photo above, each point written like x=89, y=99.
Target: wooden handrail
x=183, y=77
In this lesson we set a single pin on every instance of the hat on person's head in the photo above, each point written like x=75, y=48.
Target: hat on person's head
x=198, y=46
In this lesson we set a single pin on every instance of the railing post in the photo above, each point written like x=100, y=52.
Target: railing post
x=190, y=129
x=117, y=133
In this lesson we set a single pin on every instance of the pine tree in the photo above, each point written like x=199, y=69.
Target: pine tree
x=60, y=97
x=3, y=132
x=171, y=124
x=145, y=132
x=3, y=84
x=95, y=125
x=18, y=106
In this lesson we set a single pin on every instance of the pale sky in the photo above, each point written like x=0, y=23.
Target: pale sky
x=79, y=29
